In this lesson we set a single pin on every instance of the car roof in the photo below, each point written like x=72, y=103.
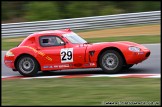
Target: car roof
x=45, y=33
x=51, y=32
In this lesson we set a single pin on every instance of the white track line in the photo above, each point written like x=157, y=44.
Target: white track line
x=116, y=75
x=91, y=75
x=7, y=76
x=43, y=77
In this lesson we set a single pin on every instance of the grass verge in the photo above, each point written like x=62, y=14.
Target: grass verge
x=8, y=43
x=138, y=39
x=80, y=91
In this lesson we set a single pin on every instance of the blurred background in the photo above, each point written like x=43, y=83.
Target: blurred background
x=22, y=11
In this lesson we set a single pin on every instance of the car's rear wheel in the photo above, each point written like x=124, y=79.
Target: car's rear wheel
x=27, y=66
x=111, y=61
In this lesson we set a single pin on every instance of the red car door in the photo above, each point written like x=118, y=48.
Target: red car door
x=77, y=53
x=52, y=46
x=60, y=55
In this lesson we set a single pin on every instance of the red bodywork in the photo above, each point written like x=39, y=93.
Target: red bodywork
x=84, y=55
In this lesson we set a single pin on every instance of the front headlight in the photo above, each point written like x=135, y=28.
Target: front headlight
x=134, y=49
x=9, y=53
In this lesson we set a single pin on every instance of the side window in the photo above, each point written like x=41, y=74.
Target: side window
x=47, y=41
x=58, y=40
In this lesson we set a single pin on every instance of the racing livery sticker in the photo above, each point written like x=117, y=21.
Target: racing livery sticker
x=57, y=66
x=66, y=55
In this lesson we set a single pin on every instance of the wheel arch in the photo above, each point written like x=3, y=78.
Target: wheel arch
x=25, y=54
x=110, y=48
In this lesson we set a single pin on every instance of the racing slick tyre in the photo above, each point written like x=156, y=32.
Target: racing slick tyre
x=27, y=66
x=111, y=61
x=127, y=66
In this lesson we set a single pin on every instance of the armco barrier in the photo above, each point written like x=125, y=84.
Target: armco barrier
x=96, y=22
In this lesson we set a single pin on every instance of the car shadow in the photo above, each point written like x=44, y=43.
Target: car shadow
x=71, y=72
x=97, y=71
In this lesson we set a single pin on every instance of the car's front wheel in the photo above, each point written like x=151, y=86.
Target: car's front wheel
x=111, y=61
x=27, y=66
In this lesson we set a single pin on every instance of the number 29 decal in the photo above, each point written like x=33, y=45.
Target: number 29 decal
x=66, y=55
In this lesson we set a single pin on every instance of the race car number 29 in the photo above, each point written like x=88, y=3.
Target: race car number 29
x=66, y=55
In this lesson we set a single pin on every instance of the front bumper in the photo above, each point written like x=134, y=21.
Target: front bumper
x=137, y=57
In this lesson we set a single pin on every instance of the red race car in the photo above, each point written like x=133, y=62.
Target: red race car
x=64, y=49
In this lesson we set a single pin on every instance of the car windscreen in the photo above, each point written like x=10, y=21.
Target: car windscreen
x=74, y=38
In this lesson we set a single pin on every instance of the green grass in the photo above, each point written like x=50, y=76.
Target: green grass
x=138, y=39
x=6, y=45
x=79, y=91
x=116, y=27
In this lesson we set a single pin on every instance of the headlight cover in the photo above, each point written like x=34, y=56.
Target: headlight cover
x=9, y=53
x=134, y=49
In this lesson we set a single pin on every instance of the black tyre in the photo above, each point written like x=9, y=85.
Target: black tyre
x=27, y=66
x=127, y=66
x=111, y=61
